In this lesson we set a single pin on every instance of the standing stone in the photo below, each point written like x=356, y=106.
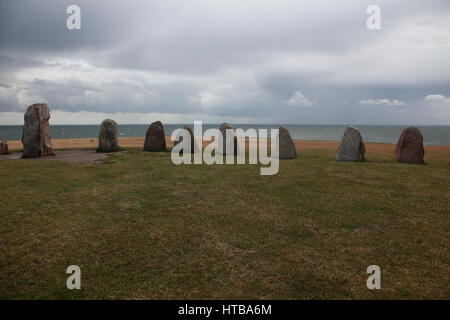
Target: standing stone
x=352, y=146
x=155, y=139
x=223, y=141
x=410, y=146
x=36, y=132
x=107, y=139
x=194, y=145
x=4, y=147
x=286, y=144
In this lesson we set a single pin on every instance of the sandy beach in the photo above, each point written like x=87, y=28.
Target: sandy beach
x=375, y=149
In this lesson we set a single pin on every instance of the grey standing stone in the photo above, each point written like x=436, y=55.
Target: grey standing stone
x=352, y=146
x=194, y=145
x=107, y=139
x=223, y=141
x=36, y=137
x=155, y=139
x=286, y=144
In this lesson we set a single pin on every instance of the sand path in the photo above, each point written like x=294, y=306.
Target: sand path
x=76, y=155
x=82, y=150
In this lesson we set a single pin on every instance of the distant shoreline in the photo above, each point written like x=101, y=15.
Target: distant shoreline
x=433, y=135
x=385, y=150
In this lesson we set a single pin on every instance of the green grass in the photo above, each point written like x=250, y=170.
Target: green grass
x=142, y=228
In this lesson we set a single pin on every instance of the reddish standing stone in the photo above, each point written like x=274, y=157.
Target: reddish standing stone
x=410, y=146
x=225, y=144
x=155, y=139
x=193, y=145
x=4, y=147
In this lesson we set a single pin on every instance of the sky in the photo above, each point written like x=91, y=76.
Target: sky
x=252, y=61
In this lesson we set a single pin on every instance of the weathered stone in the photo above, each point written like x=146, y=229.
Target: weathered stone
x=4, y=147
x=36, y=137
x=155, y=139
x=352, y=146
x=409, y=147
x=194, y=145
x=223, y=141
x=107, y=139
x=286, y=144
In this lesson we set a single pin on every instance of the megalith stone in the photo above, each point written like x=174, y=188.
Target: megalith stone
x=352, y=146
x=286, y=144
x=155, y=139
x=223, y=142
x=107, y=139
x=409, y=147
x=193, y=144
x=36, y=137
x=4, y=147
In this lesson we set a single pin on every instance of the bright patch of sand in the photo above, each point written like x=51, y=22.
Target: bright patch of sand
x=378, y=149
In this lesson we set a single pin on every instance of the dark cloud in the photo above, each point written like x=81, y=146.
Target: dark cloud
x=228, y=59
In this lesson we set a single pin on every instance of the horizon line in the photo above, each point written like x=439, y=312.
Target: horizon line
x=243, y=123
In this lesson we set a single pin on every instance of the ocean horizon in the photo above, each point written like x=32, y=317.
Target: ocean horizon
x=433, y=135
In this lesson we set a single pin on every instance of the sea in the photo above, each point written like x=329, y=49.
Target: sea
x=433, y=135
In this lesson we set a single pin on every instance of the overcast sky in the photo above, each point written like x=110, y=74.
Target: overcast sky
x=278, y=61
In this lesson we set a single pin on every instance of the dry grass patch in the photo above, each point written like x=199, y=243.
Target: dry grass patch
x=140, y=227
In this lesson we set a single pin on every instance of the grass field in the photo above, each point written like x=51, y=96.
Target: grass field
x=140, y=227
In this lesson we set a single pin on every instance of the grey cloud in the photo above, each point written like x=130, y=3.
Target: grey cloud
x=179, y=57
